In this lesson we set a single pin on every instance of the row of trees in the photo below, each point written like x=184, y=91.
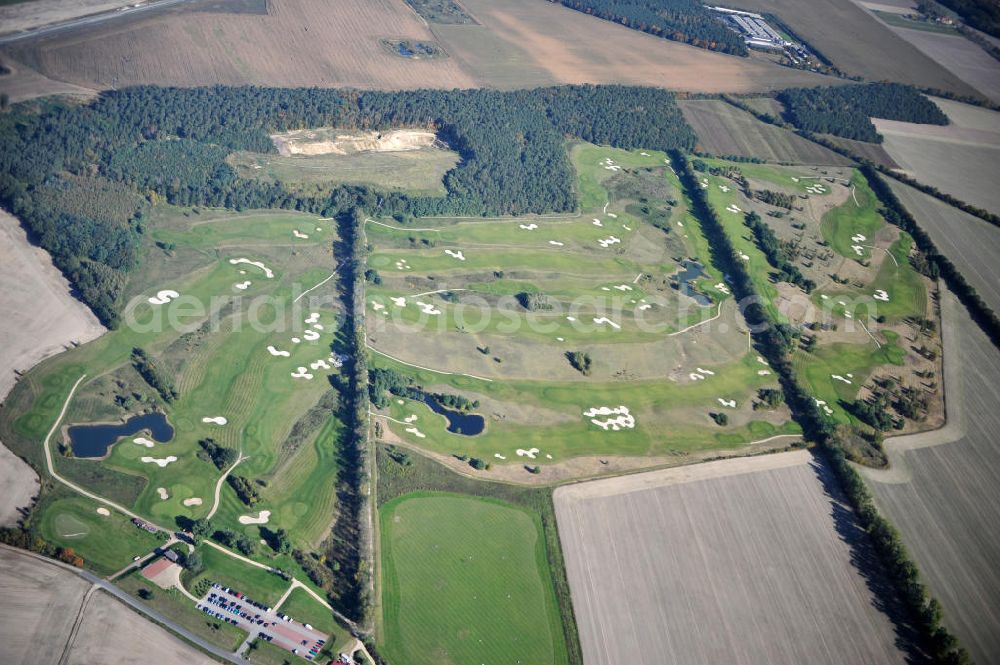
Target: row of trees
x=847, y=110
x=171, y=144
x=776, y=253
x=772, y=343
x=686, y=21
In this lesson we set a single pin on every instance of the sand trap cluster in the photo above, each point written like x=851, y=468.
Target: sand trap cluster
x=275, y=352
x=259, y=518
x=302, y=373
x=299, y=234
x=601, y=320
x=699, y=374
x=163, y=297
x=528, y=227
x=162, y=492
x=704, y=183
x=722, y=288
x=193, y=501
x=319, y=364
x=103, y=511
x=428, y=308
x=622, y=419
x=143, y=441
x=706, y=372
x=724, y=188
x=816, y=189
x=531, y=453
x=597, y=222
x=733, y=208
x=403, y=265
x=243, y=286
x=610, y=164
x=881, y=295
x=410, y=418
x=217, y=420
x=415, y=432
x=455, y=254
x=256, y=264
x=730, y=403
x=556, y=243
x=826, y=409
x=160, y=462
x=622, y=287
x=398, y=302
x=607, y=242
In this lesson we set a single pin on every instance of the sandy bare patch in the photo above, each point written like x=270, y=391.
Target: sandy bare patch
x=256, y=264
x=105, y=512
x=162, y=493
x=259, y=518
x=215, y=420
x=160, y=462
x=193, y=501
x=331, y=141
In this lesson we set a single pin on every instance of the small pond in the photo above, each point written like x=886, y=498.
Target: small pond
x=94, y=440
x=468, y=424
x=685, y=279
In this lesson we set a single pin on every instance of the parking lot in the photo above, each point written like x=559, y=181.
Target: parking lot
x=262, y=621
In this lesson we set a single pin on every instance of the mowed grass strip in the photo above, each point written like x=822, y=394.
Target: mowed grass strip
x=466, y=581
x=856, y=216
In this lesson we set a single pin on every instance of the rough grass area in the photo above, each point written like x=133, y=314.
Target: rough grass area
x=857, y=215
x=417, y=172
x=261, y=585
x=466, y=579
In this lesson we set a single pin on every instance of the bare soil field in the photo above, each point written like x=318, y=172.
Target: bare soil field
x=858, y=43
x=27, y=15
x=871, y=151
x=970, y=243
x=48, y=618
x=943, y=490
x=960, y=56
x=739, y=561
x=24, y=83
x=960, y=158
x=572, y=47
x=723, y=129
x=299, y=43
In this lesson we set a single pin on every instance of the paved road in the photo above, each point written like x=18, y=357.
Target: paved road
x=92, y=19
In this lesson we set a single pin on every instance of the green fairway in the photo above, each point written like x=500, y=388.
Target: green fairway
x=466, y=581
x=107, y=543
x=854, y=223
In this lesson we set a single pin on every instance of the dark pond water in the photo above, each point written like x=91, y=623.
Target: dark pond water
x=405, y=51
x=94, y=440
x=685, y=278
x=469, y=424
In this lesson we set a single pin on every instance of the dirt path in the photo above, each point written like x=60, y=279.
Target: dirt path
x=218, y=486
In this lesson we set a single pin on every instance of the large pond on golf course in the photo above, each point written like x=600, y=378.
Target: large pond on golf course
x=94, y=440
x=692, y=271
x=468, y=424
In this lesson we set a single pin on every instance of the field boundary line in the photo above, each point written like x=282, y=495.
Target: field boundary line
x=436, y=371
x=301, y=295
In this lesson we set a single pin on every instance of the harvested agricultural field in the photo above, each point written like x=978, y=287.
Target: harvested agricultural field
x=466, y=580
x=943, y=489
x=960, y=158
x=761, y=567
x=858, y=43
x=297, y=43
x=723, y=129
x=607, y=333
x=873, y=152
x=972, y=244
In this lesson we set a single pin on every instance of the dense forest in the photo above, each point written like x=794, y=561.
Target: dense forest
x=686, y=21
x=847, y=110
x=147, y=144
x=980, y=14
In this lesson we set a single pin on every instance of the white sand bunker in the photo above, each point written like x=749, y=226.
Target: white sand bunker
x=427, y=308
x=706, y=372
x=556, y=243
x=840, y=378
x=162, y=491
x=143, y=441
x=415, y=432
x=398, y=302
x=826, y=409
x=794, y=179
x=643, y=308
x=824, y=296
x=299, y=234
x=455, y=254
x=296, y=340
x=377, y=306
x=243, y=286
x=600, y=320
x=103, y=511
x=858, y=249
x=622, y=287
x=312, y=318
x=310, y=335
x=848, y=315
x=217, y=420
x=607, y=242
x=857, y=237
x=302, y=373
x=761, y=360
x=410, y=418
x=722, y=288
x=531, y=453
x=626, y=227
x=528, y=227
x=731, y=403
x=403, y=265
x=259, y=518
x=763, y=372
x=644, y=154
x=622, y=419
x=744, y=257
x=193, y=501
x=256, y=264
x=319, y=364
x=609, y=164
x=612, y=215
x=160, y=462
x=499, y=456
x=694, y=376
x=163, y=297
x=597, y=222
x=723, y=188
x=275, y=352
x=881, y=295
